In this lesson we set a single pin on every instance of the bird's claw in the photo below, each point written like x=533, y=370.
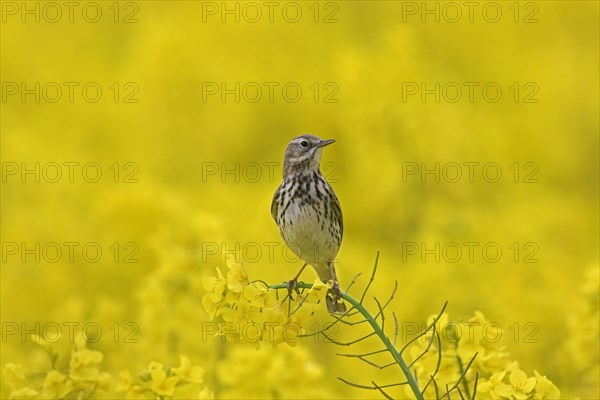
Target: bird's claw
x=333, y=299
x=336, y=288
x=292, y=286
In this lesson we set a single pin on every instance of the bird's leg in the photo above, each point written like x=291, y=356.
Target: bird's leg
x=336, y=286
x=293, y=284
x=334, y=304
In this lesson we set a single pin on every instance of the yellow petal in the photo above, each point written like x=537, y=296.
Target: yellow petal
x=517, y=377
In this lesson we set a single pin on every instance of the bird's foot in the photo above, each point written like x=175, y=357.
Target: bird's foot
x=336, y=288
x=292, y=286
x=335, y=304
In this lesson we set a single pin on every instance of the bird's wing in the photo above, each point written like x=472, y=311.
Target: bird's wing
x=337, y=210
x=274, y=204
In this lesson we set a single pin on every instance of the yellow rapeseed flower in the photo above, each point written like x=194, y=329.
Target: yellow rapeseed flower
x=258, y=295
x=162, y=384
x=56, y=385
x=519, y=388
x=490, y=386
x=215, y=286
x=237, y=277
x=317, y=292
x=136, y=393
x=24, y=394
x=544, y=388
x=16, y=375
x=125, y=381
x=187, y=372
x=83, y=365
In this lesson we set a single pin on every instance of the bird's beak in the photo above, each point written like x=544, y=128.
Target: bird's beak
x=326, y=142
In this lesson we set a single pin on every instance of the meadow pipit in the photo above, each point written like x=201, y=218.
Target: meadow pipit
x=308, y=213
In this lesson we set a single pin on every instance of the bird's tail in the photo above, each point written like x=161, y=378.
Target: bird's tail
x=326, y=272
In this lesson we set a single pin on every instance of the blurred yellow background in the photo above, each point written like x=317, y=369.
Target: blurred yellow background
x=185, y=109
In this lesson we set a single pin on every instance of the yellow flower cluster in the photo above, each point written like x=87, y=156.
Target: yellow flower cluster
x=160, y=381
x=517, y=386
x=498, y=377
x=81, y=378
x=285, y=373
x=252, y=312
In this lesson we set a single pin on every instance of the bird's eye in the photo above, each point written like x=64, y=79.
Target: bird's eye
x=304, y=144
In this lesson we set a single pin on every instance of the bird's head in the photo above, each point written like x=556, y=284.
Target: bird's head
x=303, y=153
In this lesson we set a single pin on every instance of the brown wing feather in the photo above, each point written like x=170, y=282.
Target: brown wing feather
x=337, y=210
x=274, y=204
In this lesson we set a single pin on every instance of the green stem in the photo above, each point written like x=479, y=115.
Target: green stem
x=462, y=371
x=378, y=331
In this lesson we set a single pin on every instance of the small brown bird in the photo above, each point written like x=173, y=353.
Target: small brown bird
x=308, y=213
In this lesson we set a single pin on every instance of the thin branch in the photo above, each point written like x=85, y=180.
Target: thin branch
x=392, y=295
x=328, y=326
x=382, y=308
x=342, y=319
x=387, y=396
x=352, y=282
x=395, y=328
x=284, y=285
x=261, y=281
x=426, y=348
x=460, y=367
x=435, y=387
x=475, y=385
x=371, y=279
x=349, y=314
x=462, y=375
x=356, y=384
x=435, y=320
x=347, y=343
x=439, y=360
x=380, y=313
x=460, y=393
x=393, y=385
x=320, y=331
x=361, y=355
x=374, y=364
